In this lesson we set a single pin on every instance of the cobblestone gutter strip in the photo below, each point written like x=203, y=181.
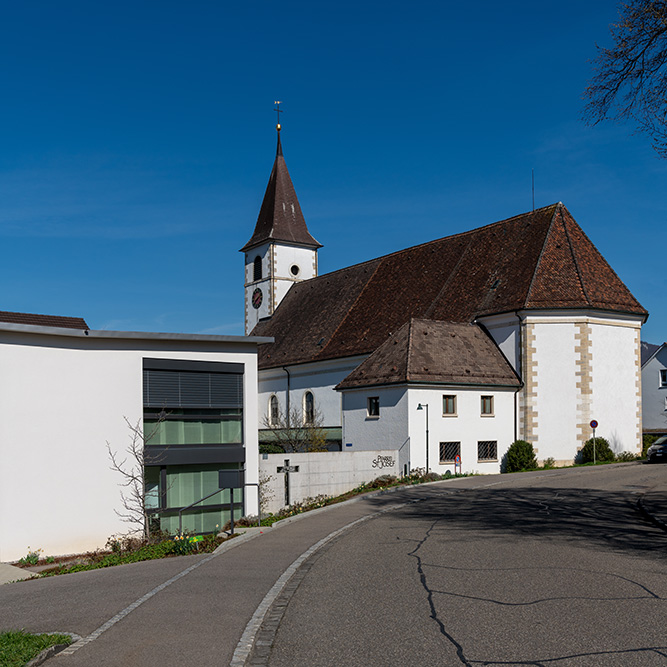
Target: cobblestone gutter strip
x=248, y=639
x=52, y=650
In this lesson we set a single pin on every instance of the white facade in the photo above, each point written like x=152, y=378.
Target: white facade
x=63, y=395
x=320, y=378
x=654, y=392
x=402, y=426
x=282, y=265
x=576, y=366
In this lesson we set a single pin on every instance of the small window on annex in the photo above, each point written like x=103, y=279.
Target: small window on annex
x=274, y=411
x=449, y=451
x=663, y=378
x=449, y=405
x=308, y=408
x=373, y=406
x=257, y=268
x=487, y=406
x=487, y=450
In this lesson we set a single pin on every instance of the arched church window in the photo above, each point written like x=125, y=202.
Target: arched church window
x=308, y=407
x=274, y=411
x=257, y=268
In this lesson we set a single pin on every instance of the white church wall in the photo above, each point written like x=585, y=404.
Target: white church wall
x=389, y=430
x=582, y=366
x=558, y=397
x=320, y=379
x=468, y=426
x=504, y=329
x=654, y=392
x=61, y=399
x=284, y=258
x=322, y=474
x=252, y=314
x=616, y=382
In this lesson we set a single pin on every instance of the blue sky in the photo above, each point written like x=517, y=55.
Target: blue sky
x=137, y=140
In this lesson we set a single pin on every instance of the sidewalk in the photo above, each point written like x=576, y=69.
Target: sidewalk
x=9, y=573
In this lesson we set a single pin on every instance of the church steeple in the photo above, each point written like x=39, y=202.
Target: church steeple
x=280, y=217
x=281, y=250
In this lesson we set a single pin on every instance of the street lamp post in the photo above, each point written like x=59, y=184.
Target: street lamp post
x=421, y=407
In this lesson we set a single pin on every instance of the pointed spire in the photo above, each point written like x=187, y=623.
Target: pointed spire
x=280, y=217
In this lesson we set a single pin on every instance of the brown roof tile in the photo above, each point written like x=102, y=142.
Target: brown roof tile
x=280, y=217
x=43, y=320
x=426, y=351
x=541, y=260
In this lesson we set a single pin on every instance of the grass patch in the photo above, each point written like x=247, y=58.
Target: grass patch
x=134, y=550
x=380, y=484
x=18, y=647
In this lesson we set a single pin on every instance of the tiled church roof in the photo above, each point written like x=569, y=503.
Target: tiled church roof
x=43, y=320
x=280, y=217
x=537, y=260
x=426, y=351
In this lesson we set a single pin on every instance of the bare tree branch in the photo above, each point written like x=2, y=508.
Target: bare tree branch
x=630, y=79
x=293, y=434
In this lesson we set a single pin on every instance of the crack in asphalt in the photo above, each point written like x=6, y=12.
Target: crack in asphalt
x=551, y=569
x=538, y=662
x=429, y=593
x=542, y=662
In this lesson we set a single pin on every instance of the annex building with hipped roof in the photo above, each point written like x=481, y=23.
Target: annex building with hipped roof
x=516, y=329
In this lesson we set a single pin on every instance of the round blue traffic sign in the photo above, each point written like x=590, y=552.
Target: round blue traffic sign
x=594, y=424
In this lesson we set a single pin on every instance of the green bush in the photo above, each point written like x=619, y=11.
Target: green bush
x=626, y=456
x=520, y=456
x=647, y=440
x=603, y=451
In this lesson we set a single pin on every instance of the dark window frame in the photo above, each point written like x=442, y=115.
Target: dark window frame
x=454, y=448
x=257, y=268
x=308, y=408
x=373, y=407
x=446, y=398
x=487, y=450
x=487, y=407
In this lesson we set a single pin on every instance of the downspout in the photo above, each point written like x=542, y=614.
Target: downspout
x=287, y=401
x=520, y=364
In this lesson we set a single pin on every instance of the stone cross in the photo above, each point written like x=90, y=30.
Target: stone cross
x=287, y=469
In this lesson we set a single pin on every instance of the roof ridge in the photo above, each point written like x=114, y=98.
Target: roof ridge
x=574, y=259
x=442, y=238
x=409, y=349
x=539, y=259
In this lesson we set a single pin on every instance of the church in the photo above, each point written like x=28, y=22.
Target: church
x=448, y=351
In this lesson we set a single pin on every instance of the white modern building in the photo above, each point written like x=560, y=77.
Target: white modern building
x=66, y=391
x=654, y=388
x=564, y=328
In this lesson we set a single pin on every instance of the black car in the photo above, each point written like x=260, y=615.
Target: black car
x=657, y=451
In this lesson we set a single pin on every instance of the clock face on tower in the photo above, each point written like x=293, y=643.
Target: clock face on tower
x=257, y=298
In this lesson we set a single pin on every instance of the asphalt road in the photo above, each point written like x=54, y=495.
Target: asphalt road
x=540, y=568
x=536, y=570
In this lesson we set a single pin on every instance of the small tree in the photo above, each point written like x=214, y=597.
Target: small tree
x=292, y=433
x=132, y=470
x=520, y=456
x=603, y=451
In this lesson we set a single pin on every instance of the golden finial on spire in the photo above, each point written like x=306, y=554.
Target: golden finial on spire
x=278, y=111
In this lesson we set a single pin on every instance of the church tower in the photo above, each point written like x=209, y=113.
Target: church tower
x=281, y=250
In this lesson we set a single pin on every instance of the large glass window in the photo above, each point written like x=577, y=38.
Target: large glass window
x=193, y=427
x=171, y=488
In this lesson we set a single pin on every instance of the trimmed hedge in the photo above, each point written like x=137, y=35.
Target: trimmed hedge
x=603, y=451
x=520, y=456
